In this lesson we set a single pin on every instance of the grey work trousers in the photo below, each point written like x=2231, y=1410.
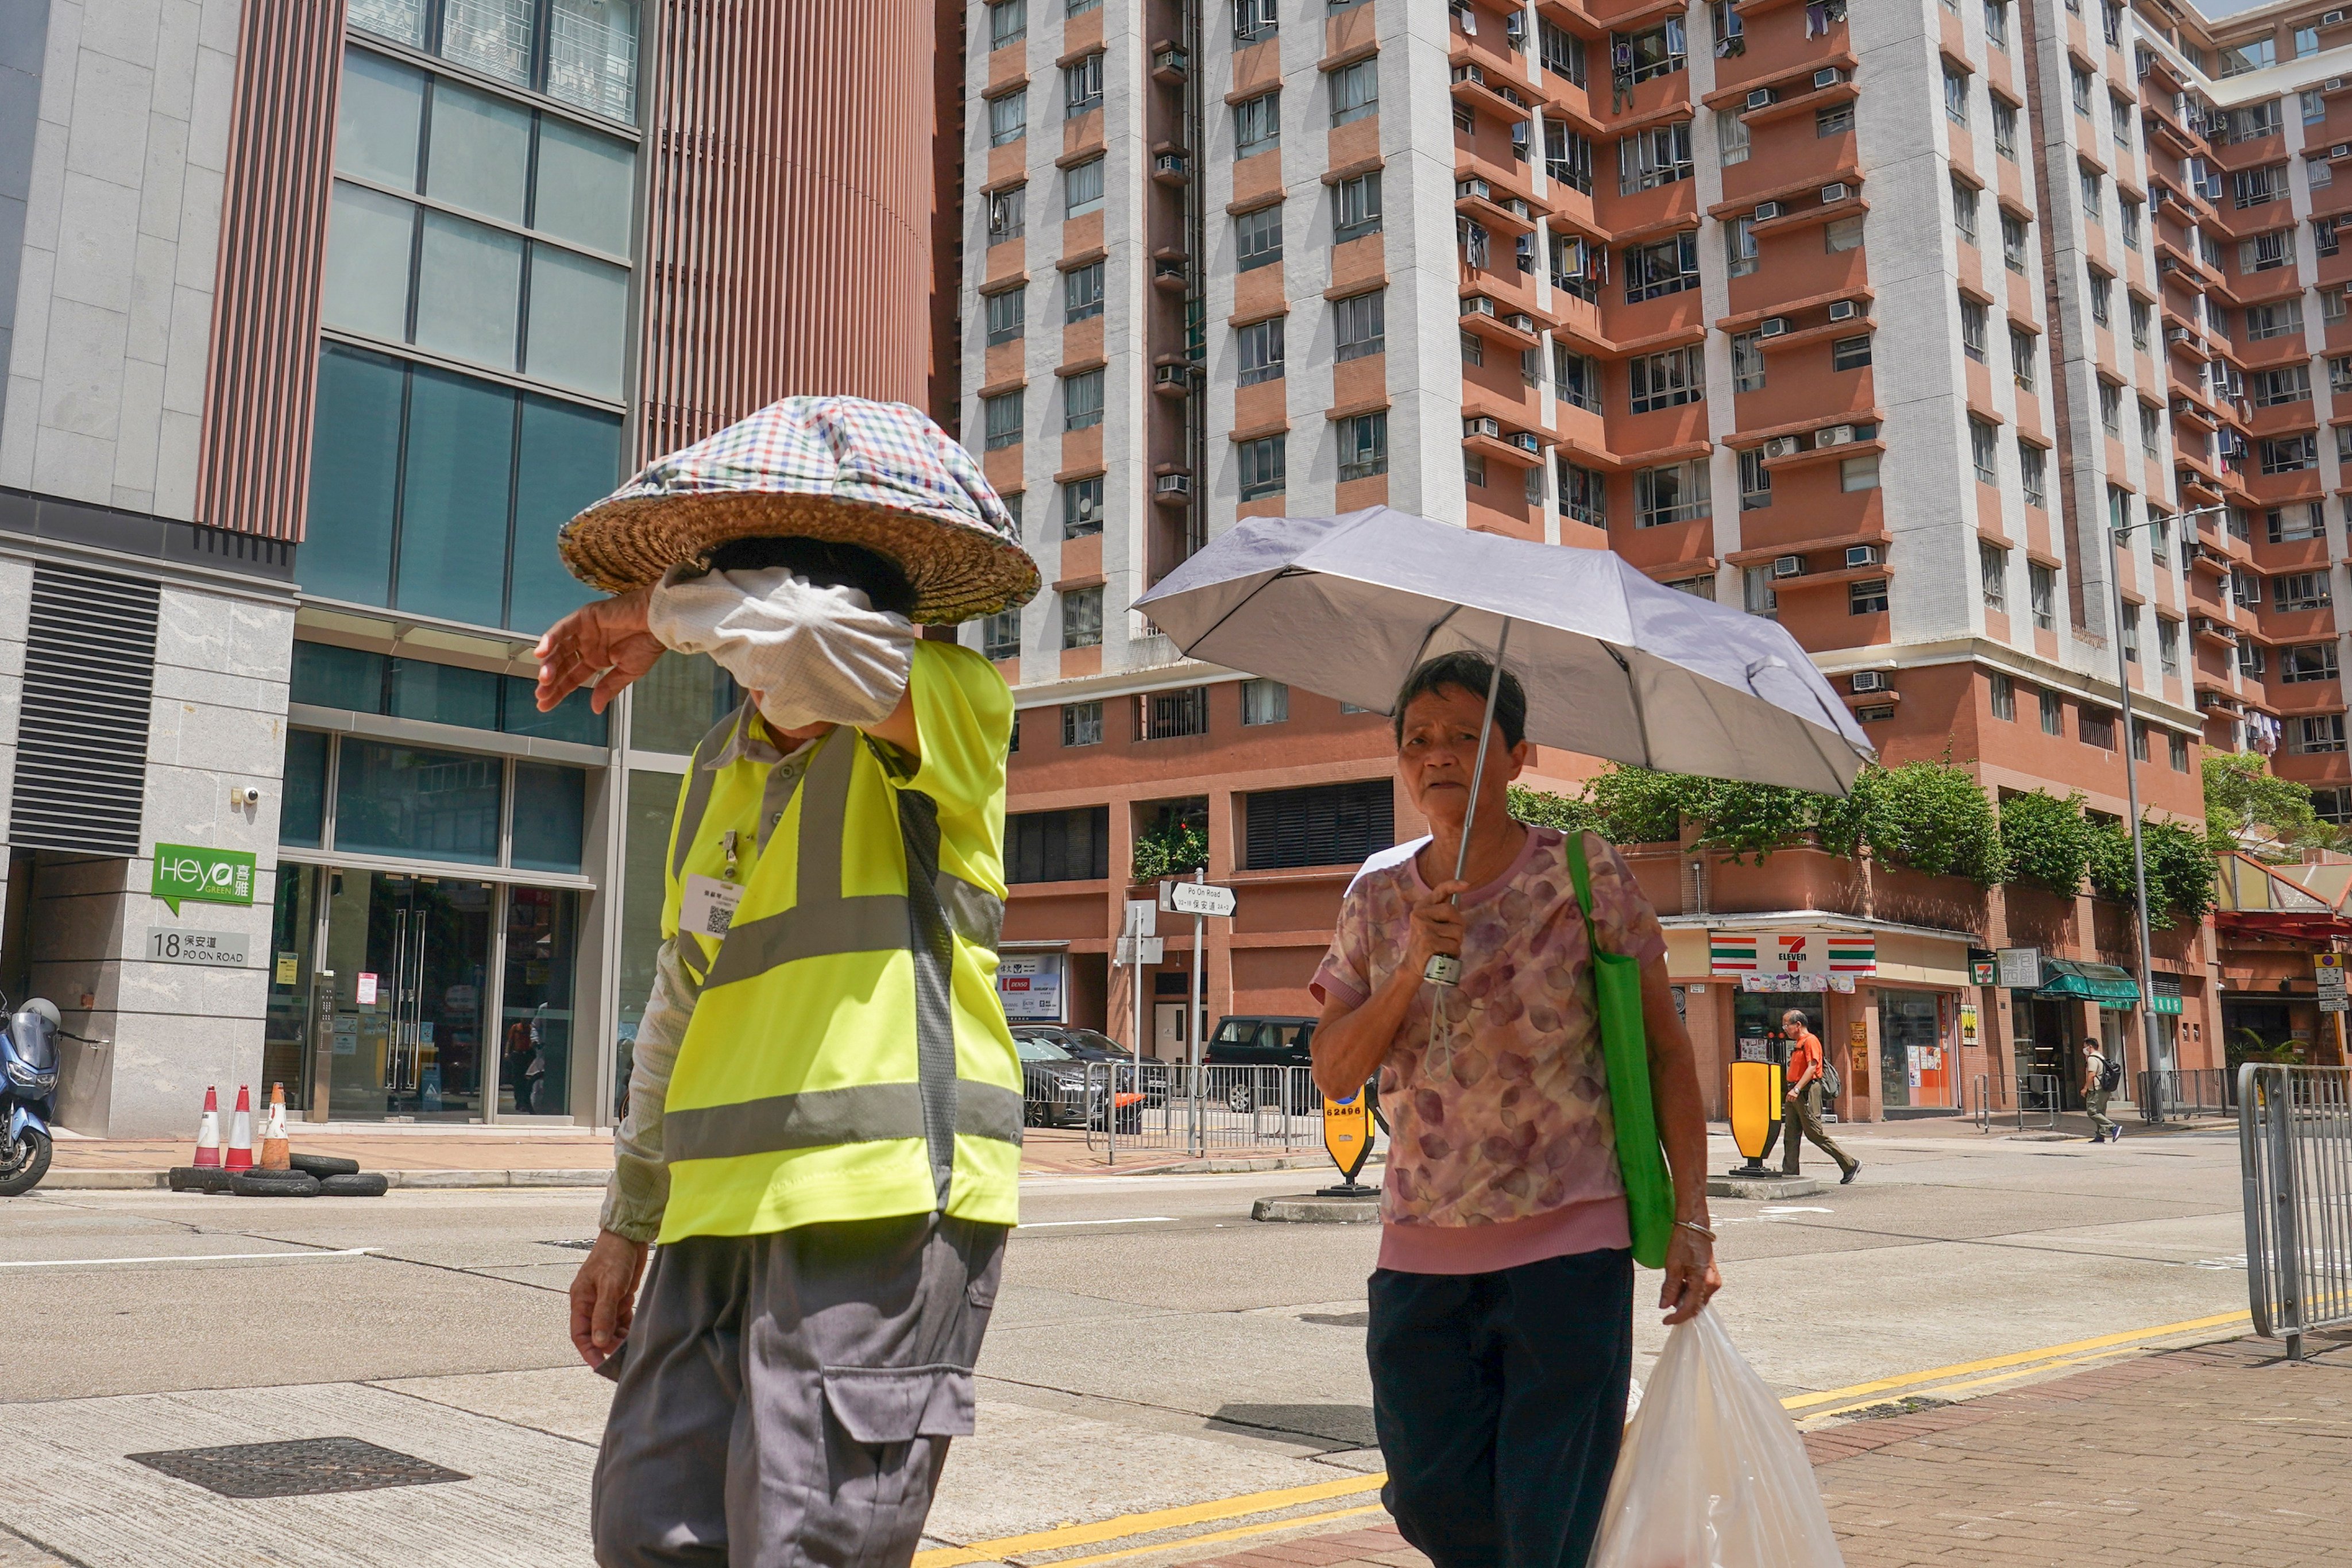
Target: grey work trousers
x=789, y=1398
x=1800, y=1118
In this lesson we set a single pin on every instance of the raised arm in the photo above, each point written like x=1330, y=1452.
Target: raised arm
x=1691, y=1275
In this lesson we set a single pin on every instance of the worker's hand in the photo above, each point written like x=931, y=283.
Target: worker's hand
x=607, y=637
x=1692, y=1278
x=1437, y=927
x=604, y=1296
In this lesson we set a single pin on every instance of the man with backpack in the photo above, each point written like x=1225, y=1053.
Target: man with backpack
x=1800, y=1112
x=2101, y=1078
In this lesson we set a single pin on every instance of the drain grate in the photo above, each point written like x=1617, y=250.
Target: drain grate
x=304, y=1467
x=1909, y=1404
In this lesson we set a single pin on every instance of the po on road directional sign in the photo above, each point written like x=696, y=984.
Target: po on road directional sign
x=1200, y=898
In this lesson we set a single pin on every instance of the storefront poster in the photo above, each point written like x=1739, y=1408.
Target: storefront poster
x=1790, y=983
x=1968, y=1024
x=1031, y=988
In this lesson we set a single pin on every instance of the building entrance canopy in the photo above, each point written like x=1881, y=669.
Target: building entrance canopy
x=2067, y=980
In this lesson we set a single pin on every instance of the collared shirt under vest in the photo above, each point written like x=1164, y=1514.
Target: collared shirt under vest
x=847, y=1058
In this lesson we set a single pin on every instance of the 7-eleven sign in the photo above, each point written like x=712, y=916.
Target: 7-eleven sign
x=1792, y=952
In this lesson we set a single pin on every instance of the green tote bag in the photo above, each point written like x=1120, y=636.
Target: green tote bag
x=1624, y=1043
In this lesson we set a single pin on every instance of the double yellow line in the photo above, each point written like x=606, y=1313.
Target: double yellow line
x=1806, y=1408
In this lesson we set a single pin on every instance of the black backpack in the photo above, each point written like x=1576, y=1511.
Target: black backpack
x=2111, y=1074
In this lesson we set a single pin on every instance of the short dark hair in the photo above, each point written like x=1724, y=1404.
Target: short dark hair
x=827, y=563
x=1473, y=673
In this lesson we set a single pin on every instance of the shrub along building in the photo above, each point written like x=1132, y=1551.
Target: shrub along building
x=1621, y=276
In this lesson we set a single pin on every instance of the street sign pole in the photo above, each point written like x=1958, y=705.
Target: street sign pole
x=1198, y=1006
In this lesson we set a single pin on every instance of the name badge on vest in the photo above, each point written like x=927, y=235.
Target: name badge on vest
x=707, y=908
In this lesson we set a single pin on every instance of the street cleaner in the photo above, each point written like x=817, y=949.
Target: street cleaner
x=825, y=1104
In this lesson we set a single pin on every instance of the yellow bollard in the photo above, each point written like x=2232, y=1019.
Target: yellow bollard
x=1755, y=1111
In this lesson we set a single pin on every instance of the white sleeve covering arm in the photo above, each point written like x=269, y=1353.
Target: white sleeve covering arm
x=815, y=654
x=639, y=1190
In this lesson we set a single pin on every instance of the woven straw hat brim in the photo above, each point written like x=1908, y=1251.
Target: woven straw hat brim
x=957, y=571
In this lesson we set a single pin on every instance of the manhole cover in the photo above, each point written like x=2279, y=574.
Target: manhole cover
x=304, y=1467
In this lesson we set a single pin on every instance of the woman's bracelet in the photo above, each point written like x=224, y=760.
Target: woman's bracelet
x=1694, y=1228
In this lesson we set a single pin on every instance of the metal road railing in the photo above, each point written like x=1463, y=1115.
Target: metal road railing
x=1174, y=1108
x=2037, y=1095
x=2294, y=1149
x=2177, y=1095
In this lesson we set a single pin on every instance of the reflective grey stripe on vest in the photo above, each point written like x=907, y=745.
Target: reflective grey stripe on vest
x=933, y=946
x=865, y=1113
x=973, y=912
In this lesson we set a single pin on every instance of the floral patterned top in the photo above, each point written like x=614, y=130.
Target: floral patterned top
x=1504, y=1115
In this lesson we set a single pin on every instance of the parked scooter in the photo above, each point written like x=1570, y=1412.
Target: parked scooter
x=28, y=1088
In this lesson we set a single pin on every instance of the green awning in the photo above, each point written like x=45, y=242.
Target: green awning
x=2063, y=979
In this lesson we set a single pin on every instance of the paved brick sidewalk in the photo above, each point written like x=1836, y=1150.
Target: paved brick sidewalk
x=2225, y=1454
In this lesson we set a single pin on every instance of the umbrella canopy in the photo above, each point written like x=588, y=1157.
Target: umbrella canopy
x=1614, y=665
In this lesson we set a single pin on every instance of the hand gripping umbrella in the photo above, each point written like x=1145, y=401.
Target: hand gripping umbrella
x=1614, y=665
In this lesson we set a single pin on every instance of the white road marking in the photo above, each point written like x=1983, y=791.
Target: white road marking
x=197, y=1257
x=1128, y=1219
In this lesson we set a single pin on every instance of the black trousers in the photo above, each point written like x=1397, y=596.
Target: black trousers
x=1499, y=1400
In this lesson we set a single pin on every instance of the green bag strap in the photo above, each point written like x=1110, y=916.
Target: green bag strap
x=1581, y=877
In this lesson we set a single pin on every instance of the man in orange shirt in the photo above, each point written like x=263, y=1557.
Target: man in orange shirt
x=1801, y=1111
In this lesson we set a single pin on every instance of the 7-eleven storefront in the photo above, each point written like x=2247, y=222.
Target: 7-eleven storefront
x=1891, y=1003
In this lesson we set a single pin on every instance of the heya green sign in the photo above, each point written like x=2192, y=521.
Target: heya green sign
x=206, y=876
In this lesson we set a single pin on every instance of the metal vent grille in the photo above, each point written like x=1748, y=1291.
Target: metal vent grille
x=308, y=1466
x=90, y=678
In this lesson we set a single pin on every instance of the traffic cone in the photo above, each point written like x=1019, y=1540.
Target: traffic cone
x=240, y=1133
x=275, y=1156
x=208, y=1129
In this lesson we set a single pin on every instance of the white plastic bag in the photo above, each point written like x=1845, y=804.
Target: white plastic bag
x=1712, y=1474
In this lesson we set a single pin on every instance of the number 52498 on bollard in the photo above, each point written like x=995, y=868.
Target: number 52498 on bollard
x=1348, y=1139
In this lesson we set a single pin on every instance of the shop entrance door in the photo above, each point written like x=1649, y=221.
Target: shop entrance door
x=411, y=957
x=1911, y=1067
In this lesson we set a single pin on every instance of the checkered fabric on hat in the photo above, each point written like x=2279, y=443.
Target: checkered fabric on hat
x=881, y=475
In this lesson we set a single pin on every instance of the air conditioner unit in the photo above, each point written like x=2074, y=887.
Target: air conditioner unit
x=1170, y=375
x=1173, y=485
x=1828, y=76
x=1515, y=29
x=1788, y=566
x=1862, y=555
x=1843, y=310
x=1869, y=681
x=1167, y=163
x=1519, y=320
x=1482, y=425
x=2176, y=335
x=1469, y=73
x=1766, y=211
x=1836, y=191
x=1518, y=208
x=2340, y=149
x=2333, y=83
x=1772, y=327
x=1761, y=97
x=2329, y=19
x=1780, y=446
x=1477, y=305
x=1835, y=436
x=1464, y=190
x=1524, y=441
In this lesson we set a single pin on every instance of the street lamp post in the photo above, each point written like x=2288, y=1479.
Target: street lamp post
x=2118, y=539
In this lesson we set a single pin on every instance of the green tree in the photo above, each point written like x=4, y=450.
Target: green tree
x=1169, y=849
x=1638, y=806
x=2179, y=870
x=1933, y=817
x=1569, y=812
x=2247, y=807
x=2111, y=863
x=2045, y=840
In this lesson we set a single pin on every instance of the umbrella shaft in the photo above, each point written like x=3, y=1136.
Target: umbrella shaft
x=1478, y=768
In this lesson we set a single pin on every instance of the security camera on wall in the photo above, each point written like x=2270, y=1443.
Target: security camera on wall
x=244, y=795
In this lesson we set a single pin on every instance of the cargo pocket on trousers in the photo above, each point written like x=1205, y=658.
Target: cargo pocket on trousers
x=880, y=1405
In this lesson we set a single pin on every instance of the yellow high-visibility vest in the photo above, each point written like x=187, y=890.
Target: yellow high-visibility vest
x=848, y=1058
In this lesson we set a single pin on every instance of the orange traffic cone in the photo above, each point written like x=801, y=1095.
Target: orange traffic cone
x=240, y=1133
x=208, y=1128
x=275, y=1156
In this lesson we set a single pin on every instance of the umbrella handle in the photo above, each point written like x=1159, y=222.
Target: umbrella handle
x=1445, y=968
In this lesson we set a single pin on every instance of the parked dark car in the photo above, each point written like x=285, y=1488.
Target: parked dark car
x=1055, y=1089
x=1087, y=1046
x=1262, y=1041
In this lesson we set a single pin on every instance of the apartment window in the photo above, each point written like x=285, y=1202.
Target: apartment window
x=1082, y=86
x=2266, y=252
x=2102, y=294
x=2288, y=383
x=1646, y=56
x=1835, y=121
x=1755, y=481
x=2254, y=55
x=2251, y=662
x=1364, y=446
x=1858, y=473
x=2041, y=594
x=1082, y=506
x=1964, y=208
x=1956, y=96
x=1257, y=238
x=2013, y=242
x=2323, y=236
x=1658, y=156
x=1359, y=324
x=2148, y=428
x=1667, y=380
x=2131, y=636
x=2140, y=314
x=1008, y=117
x=2332, y=306
x=1739, y=247
x=1254, y=19
x=1850, y=353
x=1082, y=292
x=1082, y=400
x=2290, y=454
x=2139, y=739
x=2315, y=661
x=2119, y=118
x=1260, y=348
x=2318, y=733
x=1583, y=494
x=1984, y=450
x=2088, y=180
x=2179, y=752
x=2245, y=588
x=2253, y=122
x=1000, y=635
x=2053, y=714
x=2020, y=357
x=1082, y=617
x=1257, y=125
x=1263, y=464
x=1842, y=233
x=2095, y=727
x=2082, y=87
x=1008, y=23
x=1996, y=24
x=1082, y=188
x=1668, y=266
x=1746, y=362
x=2299, y=591
x=2285, y=525
x=1356, y=90
x=2111, y=409
x=2307, y=42
x=2004, y=128
x=2167, y=645
x=1756, y=595
x=2313, y=104
x=1567, y=157
x=1081, y=726
x=2032, y=460
x=2275, y=321
x=1972, y=330
x=1324, y=825
x=1676, y=492
x=1474, y=239
x=1265, y=702
x=2003, y=693
x=2129, y=210
x=1867, y=598
x=1561, y=51
x=1578, y=267
x=1008, y=314
x=1356, y=207
x=1474, y=470
x=2258, y=187
x=1000, y=417
x=1005, y=210
x=1012, y=505
x=1474, y=349
x=1575, y=378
